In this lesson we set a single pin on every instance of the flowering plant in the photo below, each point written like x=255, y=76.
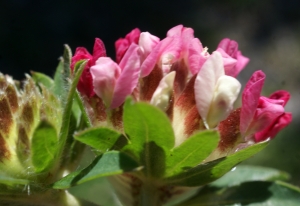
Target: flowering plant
x=160, y=119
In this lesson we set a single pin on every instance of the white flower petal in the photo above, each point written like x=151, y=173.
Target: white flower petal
x=226, y=91
x=161, y=96
x=206, y=82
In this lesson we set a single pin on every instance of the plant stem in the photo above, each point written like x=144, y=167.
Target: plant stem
x=149, y=195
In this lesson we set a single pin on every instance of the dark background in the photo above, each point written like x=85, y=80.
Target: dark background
x=32, y=34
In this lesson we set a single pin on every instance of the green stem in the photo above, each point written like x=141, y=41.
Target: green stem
x=149, y=195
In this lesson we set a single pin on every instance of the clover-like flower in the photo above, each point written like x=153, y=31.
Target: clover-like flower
x=194, y=92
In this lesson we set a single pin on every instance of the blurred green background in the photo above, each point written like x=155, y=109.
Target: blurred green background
x=32, y=34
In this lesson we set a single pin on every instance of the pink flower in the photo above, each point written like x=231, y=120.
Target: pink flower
x=123, y=44
x=261, y=114
x=278, y=123
x=163, y=54
x=85, y=84
x=147, y=42
x=230, y=47
x=113, y=82
x=180, y=51
x=192, y=50
x=157, y=58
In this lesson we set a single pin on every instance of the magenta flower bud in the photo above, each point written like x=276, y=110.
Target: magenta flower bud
x=123, y=44
x=262, y=117
x=278, y=123
x=85, y=85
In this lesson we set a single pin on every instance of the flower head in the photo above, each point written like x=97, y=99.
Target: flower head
x=195, y=89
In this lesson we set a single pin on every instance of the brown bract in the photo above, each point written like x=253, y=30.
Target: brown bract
x=229, y=130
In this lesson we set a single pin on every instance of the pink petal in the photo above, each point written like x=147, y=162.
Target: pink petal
x=206, y=81
x=281, y=94
x=195, y=57
x=133, y=36
x=250, y=98
x=229, y=63
x=150, y=61
x=98, y=50
x=129, y=77
x=80, y=54
x=229, y=46
x=175, y=31
x=268, y=110
x=169, y=52
x=242, y=61
x=105, y=73
x=270, y=132
x=147, y=42
x=123, y=44
x=187, y=35
x=85, y=84
x=82, y=50
x=128, y=55
x=164, y=53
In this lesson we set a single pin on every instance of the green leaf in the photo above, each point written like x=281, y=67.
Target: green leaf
x=67, y=56
x=11, y=181
x=43, y=79
x=110, y=163
x=208, y=172
x=62, y=74
x=85, y=116
x=146, y=123
x=44, y=146
x=256, y=193
x=68, y=107
x=243, y=173
x=150, y=134
x=76, y=111
x=102, y=139
x=191, y=152
x=153, y=158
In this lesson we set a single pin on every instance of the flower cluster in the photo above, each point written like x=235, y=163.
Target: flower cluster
x=196, y=89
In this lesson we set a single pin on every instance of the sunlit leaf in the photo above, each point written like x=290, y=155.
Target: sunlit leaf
x=211, y=171
x=150, y=134
x=191, y=152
